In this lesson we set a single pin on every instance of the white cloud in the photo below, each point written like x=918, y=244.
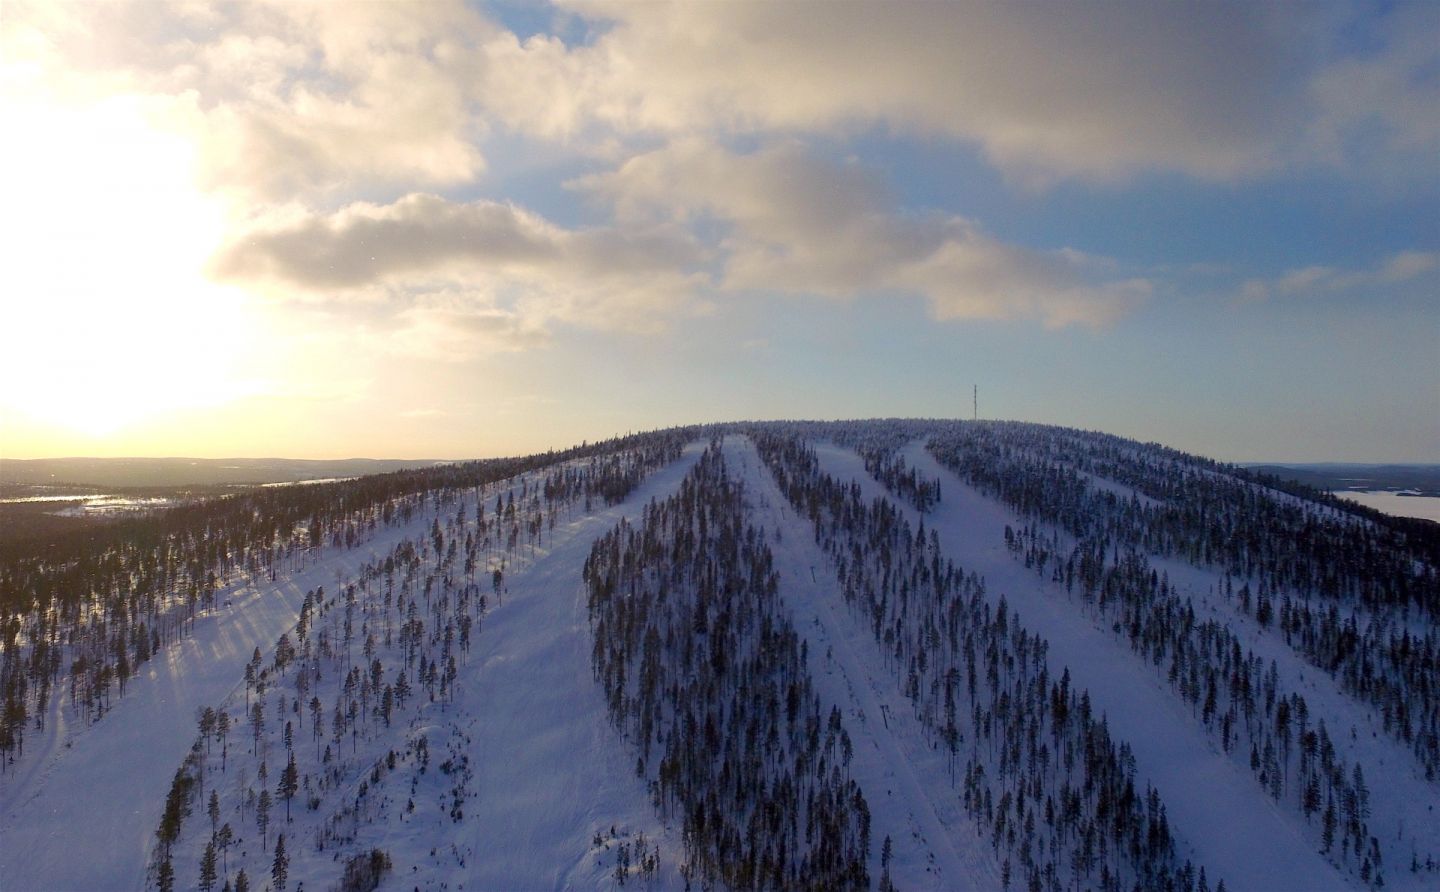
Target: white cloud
x=795, y=223
x=355, y=99
x=283, y=99
x=1399, y=268
x=471, y=276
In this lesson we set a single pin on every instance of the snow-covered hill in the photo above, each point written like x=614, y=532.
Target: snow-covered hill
x=443, y=684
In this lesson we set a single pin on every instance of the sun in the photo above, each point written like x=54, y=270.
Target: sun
x=107, y=315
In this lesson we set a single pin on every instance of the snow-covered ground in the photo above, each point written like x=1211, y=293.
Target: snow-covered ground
x=1219, y=815
x=1423, y=507
x=549, y=773
x=551, y=770
x=1404, y=817
x=544, y=775
x=82, y=812
x=905, y=781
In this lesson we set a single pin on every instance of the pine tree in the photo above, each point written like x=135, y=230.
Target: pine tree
x=207, y=868
x=280, y=868
x=289, y=784
x=262, y=818
x=242, y=881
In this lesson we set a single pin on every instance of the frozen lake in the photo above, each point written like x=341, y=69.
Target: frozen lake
x=1426, y=507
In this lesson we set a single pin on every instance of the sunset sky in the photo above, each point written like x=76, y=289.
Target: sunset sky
x=448, y=229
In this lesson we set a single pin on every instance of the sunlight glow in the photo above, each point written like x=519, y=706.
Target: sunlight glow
x=108, y=319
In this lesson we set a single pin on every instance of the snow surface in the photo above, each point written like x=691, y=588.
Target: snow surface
x=1405, y=807
x=550, y=771
x=905, y=781
x=83, y=811
x=1220, y=817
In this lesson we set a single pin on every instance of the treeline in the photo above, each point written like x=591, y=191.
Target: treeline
x=705, y=676
x=1055, y=792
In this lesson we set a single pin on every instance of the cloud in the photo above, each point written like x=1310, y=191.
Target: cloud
x=1100, y=90
x=470, y=276
x=1397, y=269
x=456, y=330
x=1381, y=106
x=284, y=99
x=793, y=222
x=319, y=100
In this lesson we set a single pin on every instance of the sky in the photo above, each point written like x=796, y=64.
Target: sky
x=465, y=229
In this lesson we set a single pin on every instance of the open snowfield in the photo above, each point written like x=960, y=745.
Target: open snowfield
x=1423, y=507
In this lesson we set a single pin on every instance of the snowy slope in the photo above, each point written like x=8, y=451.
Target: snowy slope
x=96, y=791
x=1403, y=803
x=526, y=706
x=552, y=772
x=906, y=783
x=1219, y=815
x=502, y=780
x=514, y=778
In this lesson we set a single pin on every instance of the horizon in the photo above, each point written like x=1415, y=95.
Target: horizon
x=492, y=228
x=1243, y=462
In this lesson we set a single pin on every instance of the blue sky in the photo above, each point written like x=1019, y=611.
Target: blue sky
x=451, y=229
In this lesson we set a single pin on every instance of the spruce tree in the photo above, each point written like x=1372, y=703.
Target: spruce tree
x=280, y=868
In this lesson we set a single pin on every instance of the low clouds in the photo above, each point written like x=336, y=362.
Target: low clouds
x=781, y=220
x=792, y=222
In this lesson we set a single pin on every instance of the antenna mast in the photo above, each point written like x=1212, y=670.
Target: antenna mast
x=977, y=402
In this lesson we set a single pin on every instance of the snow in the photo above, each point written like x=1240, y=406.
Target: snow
x=83, y=812
x=905, y=782
x=1219, y=815
x=552, y=771
x=549, y=771
x=1422, y=507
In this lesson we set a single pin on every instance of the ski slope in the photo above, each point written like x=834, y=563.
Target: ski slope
x=905, y=781
x=550, y=770
x=84, y=813
x=1220, y=817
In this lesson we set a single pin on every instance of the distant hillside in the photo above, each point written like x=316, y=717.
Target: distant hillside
x=151, y=472
x=1334, y=476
